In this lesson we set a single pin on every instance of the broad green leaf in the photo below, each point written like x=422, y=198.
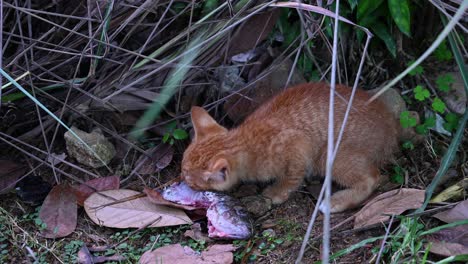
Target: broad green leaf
x=399, y=9
x=451, y=122
x=180, y=134
x=423, y=129
x=438, y=105
x=381, y=31
x=421, y=93
x=444, y=82
x=406, y=120
x=365, y=7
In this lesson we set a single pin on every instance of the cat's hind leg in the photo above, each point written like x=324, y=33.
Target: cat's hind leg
x=356, y=173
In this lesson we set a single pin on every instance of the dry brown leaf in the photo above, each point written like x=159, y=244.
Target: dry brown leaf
x=458, y=213
x=450, y=241
x=83, y=191
x=219, y=254
x=59, y=212
x=113, y=209
x=156, y=198
x=155, y=160
x=9, y=175
x=390, y=203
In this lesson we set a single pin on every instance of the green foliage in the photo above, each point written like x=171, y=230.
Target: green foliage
x=406, y=242
x=289, y=26
x=209, y=5
x=71, y=250
x=443, y=53
x=416, y=71
x=264, y=244
x=444, y=82
x=352, y=4
x=421, y=93
x=408, y=145
x=406, y=120
x=451, y=122
x=198, y=246
x=401, y=15
x=129, y=242
x=438, y=105
x=398, y=175
x=173, y=133
x=423, y=128
x=378, y=15
x=380, y=29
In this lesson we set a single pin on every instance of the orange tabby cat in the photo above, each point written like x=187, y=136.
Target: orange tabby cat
x=286, y=138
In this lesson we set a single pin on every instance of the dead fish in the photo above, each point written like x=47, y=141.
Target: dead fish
x=227, y=219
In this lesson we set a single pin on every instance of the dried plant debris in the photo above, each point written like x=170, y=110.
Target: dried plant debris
x=220, y=254
x=83, y=191
x=124, y=209
x=380, y=208
x=58, y=212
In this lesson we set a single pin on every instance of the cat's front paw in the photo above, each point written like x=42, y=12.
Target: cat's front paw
x=276, y=197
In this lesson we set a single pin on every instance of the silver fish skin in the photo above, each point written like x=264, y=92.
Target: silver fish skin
x=227, y=219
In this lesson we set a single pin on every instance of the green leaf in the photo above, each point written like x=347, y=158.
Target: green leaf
x=418, y=70
x=180, y=134
x=444, y=82
x=352, y=3
x=366, y=7
x=438, y=105
x=171, y=126
x=430, y=122
x=381, y=31
x=451, y=122
x=399, y=9
x=423, y=129
x=421, y=93
x=443, y=53
x=166, y=137
x=209, y=5
x=408, y=145
x=398, y=175
x=406, y=120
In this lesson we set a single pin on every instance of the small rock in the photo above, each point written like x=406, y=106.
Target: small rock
x=392, y=99
x=230, y=76
x=256, y=205
x=96, y=141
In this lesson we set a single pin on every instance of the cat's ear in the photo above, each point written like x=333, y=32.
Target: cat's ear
x=218, y=171
x=204, y=124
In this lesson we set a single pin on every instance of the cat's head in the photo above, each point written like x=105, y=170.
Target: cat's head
x=206, y=164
